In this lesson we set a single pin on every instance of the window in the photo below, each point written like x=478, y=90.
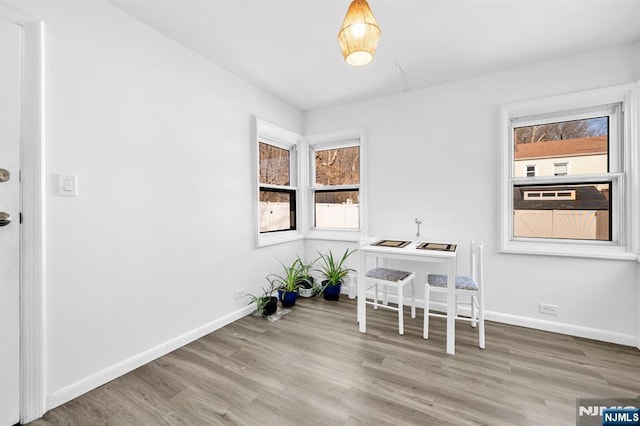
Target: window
x=547, y=140
x=560, y=169
x=277, y=196
x=277, y=159
x=319, y=198
x=566, y=174
x=549, y=195
x=336, y=186
x=336, y=192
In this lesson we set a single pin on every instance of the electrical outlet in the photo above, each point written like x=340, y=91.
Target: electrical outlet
x=239, y=293
x=545, y=308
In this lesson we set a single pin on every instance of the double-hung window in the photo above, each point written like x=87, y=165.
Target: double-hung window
x=277, y=194
x=336, y=186
x=579, y=200
x=277, y=183
x=307, y=187
x=335, y=190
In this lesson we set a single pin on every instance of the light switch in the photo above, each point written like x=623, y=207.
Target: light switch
x=67, y=185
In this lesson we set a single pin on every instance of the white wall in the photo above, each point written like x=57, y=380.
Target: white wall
x=143, y=258
x=442, y=144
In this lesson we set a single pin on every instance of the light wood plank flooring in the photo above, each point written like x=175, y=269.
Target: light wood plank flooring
x=313, y=367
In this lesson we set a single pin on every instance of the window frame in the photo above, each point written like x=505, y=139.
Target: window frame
x=340, y=139
x=566, y=168
x=622, y=171
x=535, y=170
x=280, y=137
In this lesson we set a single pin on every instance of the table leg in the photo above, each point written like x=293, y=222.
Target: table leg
x=451, y=307
x=361, y=311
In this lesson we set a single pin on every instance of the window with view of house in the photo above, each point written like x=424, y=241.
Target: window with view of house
x=567, y=175
x=336, y=186
x=538, y=210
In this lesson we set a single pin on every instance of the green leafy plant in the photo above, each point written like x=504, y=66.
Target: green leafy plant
x=333, y=269
x=305, y=270
x=290, y=279
x=308, y=286
x=263, y=300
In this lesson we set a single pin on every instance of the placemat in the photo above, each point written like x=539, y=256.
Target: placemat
x=437, y=246
x=392, y=243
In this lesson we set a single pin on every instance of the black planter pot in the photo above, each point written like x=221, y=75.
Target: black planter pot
x=287, y=298
x=271, y=306
x=331, y=292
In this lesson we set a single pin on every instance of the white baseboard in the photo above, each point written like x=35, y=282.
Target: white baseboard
x=74, y=390
x=569, y=329
x=538, y=324
x=545, y=325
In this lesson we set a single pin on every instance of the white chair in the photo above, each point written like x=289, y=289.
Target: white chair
x=468, y=286
x=389, y=278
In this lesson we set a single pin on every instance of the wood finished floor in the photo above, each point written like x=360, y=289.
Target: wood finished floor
x=313, y=367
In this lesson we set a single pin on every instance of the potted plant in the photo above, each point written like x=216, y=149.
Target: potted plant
x=334, y=271
x=287, y=283
x=266, y=303
x=306, y=284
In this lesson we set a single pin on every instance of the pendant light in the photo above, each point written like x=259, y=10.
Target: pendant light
x=359, y=34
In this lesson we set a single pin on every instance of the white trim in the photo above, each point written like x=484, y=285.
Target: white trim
x=32, y=287
x=544, y=325
x=98, y=379
x=275, y=238
x=625, y=218
x=346, y=235
x=535, y=170
x=286, y=139
x=328, y=138
x=331, y=140
x=562, y=328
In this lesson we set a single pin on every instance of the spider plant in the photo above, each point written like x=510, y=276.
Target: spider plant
x=333, y=269
x=290, y=279
x=266, y=302
x=305, y=271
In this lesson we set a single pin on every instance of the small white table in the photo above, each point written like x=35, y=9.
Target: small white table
x=410, y=253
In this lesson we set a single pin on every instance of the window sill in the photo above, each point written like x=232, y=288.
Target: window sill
x=568, y=250
x=347, y=235
x=266, y=240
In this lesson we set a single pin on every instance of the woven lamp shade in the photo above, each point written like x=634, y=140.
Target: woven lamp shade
x=359, y=34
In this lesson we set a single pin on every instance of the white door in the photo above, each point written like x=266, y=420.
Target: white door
x=9, y=219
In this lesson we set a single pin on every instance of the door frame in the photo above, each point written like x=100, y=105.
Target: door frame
x=33, y=364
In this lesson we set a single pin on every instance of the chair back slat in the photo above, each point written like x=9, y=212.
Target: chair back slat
x=477, y=261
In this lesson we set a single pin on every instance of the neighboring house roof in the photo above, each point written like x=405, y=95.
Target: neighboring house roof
x=592, y=145
x=587, y=198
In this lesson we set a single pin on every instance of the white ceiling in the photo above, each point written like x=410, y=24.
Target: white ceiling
x=289, y=47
